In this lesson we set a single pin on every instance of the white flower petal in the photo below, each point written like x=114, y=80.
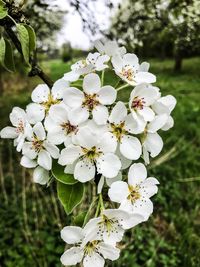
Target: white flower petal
x=130, y=147
x=78, y=115
x=153, y=144
x=145, y=77
x=109, y=165
x=28, y=163
x=40, y=176
x=117, y=63
x=73, y=97
x=38, y=129
x=58, y=114
x=86, y=138
x=137, y=174
x=157, y=123
x=28, y=150
x=35, y=113
x=100, y=114
x=144, y=67
x=72, y=256
x=118, y=113
x=133, y=220
x=44, y=160
x=56, y=136
x=40, y=93
x=52, y=149
x=72, y=234
x=169, y=124
x=107, y=95
x=17, y=115
x=107, y=143
x=118, y=191
x=91, y=83
x=9, y=132
x=130, y=59
x=71, y=76
x=93, y=259
x=69, y=155
x=59, y=88
x=100, y=185
x=134, y=125
x=108, y=251
x=84, y=171
x=110, y=181
x=125, y=162
x=147, y=113
x=169, y=101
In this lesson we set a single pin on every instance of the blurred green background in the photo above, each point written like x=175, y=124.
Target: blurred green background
x=31, y=216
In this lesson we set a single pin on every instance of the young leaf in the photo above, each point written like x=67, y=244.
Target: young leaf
x=2, y=50
x=70, y=196
x=3, y=10
x=58, y=173
x=32, y=38
x=9, y=61
x=24, y=40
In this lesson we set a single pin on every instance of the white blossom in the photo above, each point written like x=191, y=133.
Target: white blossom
x=110, y=48
x=127, y=67
x=134, y=196
x=39, y=149
x=88, y=248
x=112, y=223
x=122, y=126
x=93, y=62
x=93, y=99
x=91, y=154
x=21, y=128
x=44, y=98
x=141, y=99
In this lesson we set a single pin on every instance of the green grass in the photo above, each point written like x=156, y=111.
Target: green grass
x=172, y=235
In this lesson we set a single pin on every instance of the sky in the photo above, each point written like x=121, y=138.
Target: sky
x=72, y=30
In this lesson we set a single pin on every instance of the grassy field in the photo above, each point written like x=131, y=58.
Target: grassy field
x=30, y=215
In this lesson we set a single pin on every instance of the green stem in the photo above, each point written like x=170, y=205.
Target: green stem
x=102, y=77
x=12, y=19
x=97, y=209
x=101, y=201
x=122, y=87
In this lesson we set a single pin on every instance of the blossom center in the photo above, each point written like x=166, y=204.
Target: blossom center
x=68, y=128
x=37, y=144
x=90, y=101
x=134, y=193
x=91, y=153
x=128, y=73
x=138, y=103
x=20, y=127
x=118, y=130
x=50, y=101
x=90, y=247
x=110, y=225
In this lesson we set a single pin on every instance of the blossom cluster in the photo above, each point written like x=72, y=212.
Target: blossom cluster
x=81, y=124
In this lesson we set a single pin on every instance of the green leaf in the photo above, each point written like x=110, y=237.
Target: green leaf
x=24, y=40
x=9, y=60
x=58, y=173
x=2, y=50
x=32, y=38
x=79, y=219
x=3, y=10
x=70, y=196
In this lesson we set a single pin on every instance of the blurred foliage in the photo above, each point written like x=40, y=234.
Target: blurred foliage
x=31, y=216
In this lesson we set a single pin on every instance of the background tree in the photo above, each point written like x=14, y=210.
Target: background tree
x=159, y=28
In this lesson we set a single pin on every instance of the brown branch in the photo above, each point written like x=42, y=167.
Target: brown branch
x=35, y=68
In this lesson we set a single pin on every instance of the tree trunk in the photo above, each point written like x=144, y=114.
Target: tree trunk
x=178, y=63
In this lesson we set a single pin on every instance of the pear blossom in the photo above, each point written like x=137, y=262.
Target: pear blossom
x=165, y=105
x=141, y=99
x=127, y=67
x=134, y=196
x=112, y=223
x=60, y=129
x=91, y=154
x=122, y=126
x=39, y=149
x=21, y=129
x=93, y=62
x=152, y=143
x=44, y=98
x=93, y=99
x=88, y=248
x=110, y=48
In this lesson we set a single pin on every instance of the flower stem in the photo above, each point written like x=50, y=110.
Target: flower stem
x=98, y=208
x=122, y=87
x=102, y=77
x=101, y=201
